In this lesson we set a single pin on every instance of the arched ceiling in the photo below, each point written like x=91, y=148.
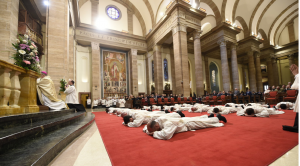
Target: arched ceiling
x=267, y=16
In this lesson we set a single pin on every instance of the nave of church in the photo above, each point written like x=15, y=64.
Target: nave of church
x=182, y=76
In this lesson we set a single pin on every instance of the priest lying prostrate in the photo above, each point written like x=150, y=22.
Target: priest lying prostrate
x=164, y=127
x=47, y=94
x=71, y=93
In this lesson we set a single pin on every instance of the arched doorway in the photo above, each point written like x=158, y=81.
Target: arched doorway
x=214, y=77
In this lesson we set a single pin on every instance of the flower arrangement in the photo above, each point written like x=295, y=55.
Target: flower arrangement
x=26, y=55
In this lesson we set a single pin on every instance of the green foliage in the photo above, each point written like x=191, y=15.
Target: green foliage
x=63, y=83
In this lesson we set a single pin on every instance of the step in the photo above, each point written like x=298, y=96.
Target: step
x=16, y=136
x=28, y=118
x=42, y=150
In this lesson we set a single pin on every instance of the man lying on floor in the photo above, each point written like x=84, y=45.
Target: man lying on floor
x=258, y=112
x=224, y=110
x=137, y=119
x=285, y=105
x=164, y=128
x=200, y=108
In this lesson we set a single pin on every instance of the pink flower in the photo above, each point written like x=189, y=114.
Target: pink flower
x=33, y=45
x=27, y=62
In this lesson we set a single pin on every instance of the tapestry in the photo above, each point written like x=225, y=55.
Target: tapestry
x=114, y=72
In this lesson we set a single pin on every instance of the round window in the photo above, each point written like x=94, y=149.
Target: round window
x=113, y=12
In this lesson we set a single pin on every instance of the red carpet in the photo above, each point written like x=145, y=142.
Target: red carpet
x=242, y=141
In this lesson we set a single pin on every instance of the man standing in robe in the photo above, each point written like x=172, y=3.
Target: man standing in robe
x=47, y=94
x=71, y=93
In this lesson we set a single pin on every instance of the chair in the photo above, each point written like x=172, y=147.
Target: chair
x=180, y=101
x=186, y=101
x=228, y=99
x=291, y=95
x=206, y=100
x=246, y=98
x=167, y=102
x=144, y=103
x=173, y=102
x=256, y=98
x=192, y=101
x=272, y=97
x=160, y=102
x=213, y=100
x=152, y=101
x=222, y=100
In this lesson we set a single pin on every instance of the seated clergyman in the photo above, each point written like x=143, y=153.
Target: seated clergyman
x=164, y=128
x=47, y=94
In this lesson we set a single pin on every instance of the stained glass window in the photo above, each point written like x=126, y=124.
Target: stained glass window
x=213, y=77
x=113, y=13
x=152, y=71
x=166, y=73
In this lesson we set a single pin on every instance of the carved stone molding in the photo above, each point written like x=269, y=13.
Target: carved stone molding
x=133, y=51
x=179, y=27
x=95, y=46
x=233, y=46
x=222, y=42
x=197, y=34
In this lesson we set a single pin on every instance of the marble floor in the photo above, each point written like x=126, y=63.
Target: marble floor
x=88, y=149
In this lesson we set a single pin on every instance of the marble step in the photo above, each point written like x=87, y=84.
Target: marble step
x=42, y=150
x=29, y=118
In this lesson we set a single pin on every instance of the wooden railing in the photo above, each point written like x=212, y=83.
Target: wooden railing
x=17, y=90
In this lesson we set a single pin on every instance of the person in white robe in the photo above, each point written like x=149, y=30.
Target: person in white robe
x=108, y=102
x=155, y=107
x=164, y=128
x=122, y=102
x=103, y=102
x=285, y=105
x=95, y=104
x=88, y=102
x=71, y=93
x=47, y=93
x=199, y=108
x=256, y=111
x=223, y=110
x=137, y=119
x=295, y=70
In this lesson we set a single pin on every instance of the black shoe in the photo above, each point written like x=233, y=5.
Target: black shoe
x=269, y=106
x=166, y=111
x=211, y=115
x=242, y=107
x=222, y=118
x=180, y=113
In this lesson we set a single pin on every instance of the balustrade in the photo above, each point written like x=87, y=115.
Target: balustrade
x=17, y=90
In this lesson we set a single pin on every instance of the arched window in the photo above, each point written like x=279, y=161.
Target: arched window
x=166, y=73
x=152, y=71
x=213, y=77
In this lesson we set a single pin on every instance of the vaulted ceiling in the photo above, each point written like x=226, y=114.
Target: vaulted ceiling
x=264, y=17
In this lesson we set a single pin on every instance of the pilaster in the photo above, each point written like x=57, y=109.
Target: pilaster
x=234, y=67
x=134, y=72
x=158, y=70
x=225, y=68
x=198, y=63
x=251, y=71
x=96, y=77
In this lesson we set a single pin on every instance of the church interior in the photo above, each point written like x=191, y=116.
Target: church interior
x=67, y=67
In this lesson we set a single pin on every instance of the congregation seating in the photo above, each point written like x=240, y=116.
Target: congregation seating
x=222, y=100
x=192, y=101
x=291, y=95
x=167, y=102
x=272, y=97
x=173, y=102
x=160, y=102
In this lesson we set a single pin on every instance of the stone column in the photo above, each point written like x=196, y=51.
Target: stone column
x=148, y=91
x=198, y=63
x=244, y=78
x=230, y=73
x=234, y=67
x=96, y=77
x=181, y=59
x=225, y=68
x=275, y=72
x=130, y=21
x=173, y=70
x=291, y=31
x=134, y=72
x=158, y=70
x=270, y=72
x=207, y=74
x=259, y=83
x=71, y=56
x=58, y=41
x=251, y=71
x=291, y=61
x=9, y=13
x=94, y=9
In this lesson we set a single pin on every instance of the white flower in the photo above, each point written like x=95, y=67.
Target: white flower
x=22, y=52
x=18, y=41
x=35, y=51
x=31, y=47
x=24, y=41
x=38, y=65
x=26, y=36
x=31, y=54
